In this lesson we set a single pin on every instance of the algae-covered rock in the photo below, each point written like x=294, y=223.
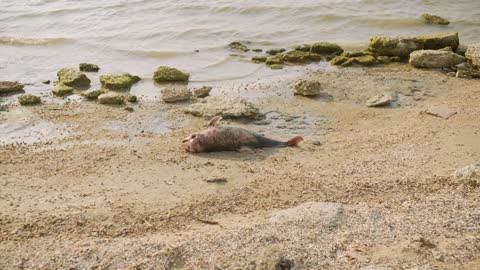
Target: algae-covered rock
x=7, y=87
x=357, y=53
x=383, y=59
x=225, y=107
x=174, y=94
x=60, y=89
x=303, y=48
x=73, y=78
x=433, y=19
x=202, y=91
x=275, y=51
x=338, y=60
x=93, y=94
x=308, y=88
x=366, y=60
x=132, y=98
x=111, y=98
x=238, y=46
x=257, y=50
x=46, y=81
x=301, y=57
x=169, y=74
x=439, y=41
x=88, y=67
x=29, y=99
x=259, y=59
x=435, y=59
x=394, y=46
x=275, y=60
x=326, y=48
x=118, y=82
x=473, y=54
x=276, y=66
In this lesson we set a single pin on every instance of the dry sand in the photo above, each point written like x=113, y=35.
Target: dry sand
x=98, y=187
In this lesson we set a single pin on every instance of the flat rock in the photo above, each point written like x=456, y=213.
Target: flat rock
x=330, y=214
x=469, y=174
x=202, y=91
x=225, y=107
x=61, y=89
x=29, y=99
x=441, y=111
x=307, y=87
x=394, y=46
x=7, y=87
x=118, y=82
x=169, y=74
x=435, y=59
x=380, y=100
x=439, y=41
x=174, y=94
x=473, y=54
x=326, y=48
x=73, y=78
x=111, y=98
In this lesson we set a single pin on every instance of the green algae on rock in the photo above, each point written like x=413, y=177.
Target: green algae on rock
x=169, y=74
x=308, y=88
x=326, y=48
x=29, y=99
x=111, y=98
x=394, y=46
x=88, y=67
x=357, y=53
x=303, y=48
x=301, y=57
x=132, y=98
x=257, y=50
x=60, y=89
x=439, y=41
x=93, y=94
x=238, y=46
x=366, y=60
x=259, y=59
x=276, y=66
x=338, y=60
x=118, y=82
x=433, y=19
x=73, y=78
x=275, y=51
x=275, y=60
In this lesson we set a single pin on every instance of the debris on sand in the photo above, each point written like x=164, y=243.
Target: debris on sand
x=216, y=180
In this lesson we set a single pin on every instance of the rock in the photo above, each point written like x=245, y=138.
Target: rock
x=174, y=94
x=357, y=53
x=442, y=111
x=366, y=60
x=132, y=98
x=383, y=59
x=439, y=41
x=168, y=74
x=257, y=50
x=434, y=59
x=380, y=100
x=29, y=99
x=93, y=94
x=238, y=46
x=111, y=98
x=465, y=73
x=73, y=78
x=225, y=107
x=46, y=82
x=118, y=82
x=303, y=48
x=473, y=54
x=259, y=59
x=394, y=46
x=338, y=60
x=307, y=88
x=301, y=57
x=275, y=60
x=433, y=19
x=326, y=48
x=88, y=67
x=462, y=49
x=128, y=109
x=61, y=89
x=202, y=91
x=275, y=51
x=469, y=174
x=330, y=214
x=276, y=66
x=446, y=49
x=7, y=87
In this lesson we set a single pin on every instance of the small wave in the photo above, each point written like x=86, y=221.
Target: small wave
x=31, y=41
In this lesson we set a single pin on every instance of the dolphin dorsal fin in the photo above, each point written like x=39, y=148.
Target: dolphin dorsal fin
x=214, y=121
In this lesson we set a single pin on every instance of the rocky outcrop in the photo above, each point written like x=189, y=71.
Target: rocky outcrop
x=169, y=74
x=469, y=174
x=111, y=98
x=29, y=99
x=202, y=91
x=394, y=46
x=118, y=82
x=433, y=19
x=8, y=87
x=326, y=48
x=175, y=94
x=473, y=54
x=225, y=107
x=61, y=89
x=238, y=46
x=93, y=94
x=308, y=88
x=439, y=41
x=88, y=67
x=435, y=59
x=73, y=78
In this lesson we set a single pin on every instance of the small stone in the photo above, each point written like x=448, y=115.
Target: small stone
x=202, y=91
x=435, y=59
x=46, y=82
x=132, y=98
x=380, y=100
x=61, y=89
x=168, y=74
x=174, y=94
x=73, y=78
x=259, y=59
x=128, y=108
x=275, y=51
x=29, y=99
x=88, y=67
x=433, y=19
x=93, y=94
x=451, y=74
x=276, y=66
x=238, y=46
x=326, y=48
x=469, y=174
x=111, y=98
x=438, y=255
x=118, y=82
x=308, y=88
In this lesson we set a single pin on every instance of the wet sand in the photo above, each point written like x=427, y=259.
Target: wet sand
x=111, y=189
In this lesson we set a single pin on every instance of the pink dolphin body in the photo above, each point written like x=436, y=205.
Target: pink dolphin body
x=230, y=138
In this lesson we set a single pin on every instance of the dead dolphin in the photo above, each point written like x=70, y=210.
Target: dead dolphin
x=230, y=138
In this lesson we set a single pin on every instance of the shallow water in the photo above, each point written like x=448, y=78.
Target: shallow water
x=38, y=37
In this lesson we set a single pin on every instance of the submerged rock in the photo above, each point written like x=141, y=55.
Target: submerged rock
x=236, y=45
x=394, y=46
x=301, y=57
x=307, y=88
x=61, y=89
x=88, y=67
x=259, y=59
x=225, y=107
x=7, y=87
x=326, y=48
x=111, y=98
x=174, y=94
x=202, y=91
x=380, y=100
x=73, y=78
x=29, y=99
x=275, y=51
x=473, y=54
x=469, y=174
x=433, y=19
x=169, y=74
x=118, y=82
x=93, y=94
x=46, y=82
x=435, y=59
x=439, y=41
